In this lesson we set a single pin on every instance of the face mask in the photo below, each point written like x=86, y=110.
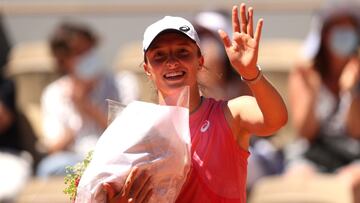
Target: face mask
x=343, y=41
x=88, y=66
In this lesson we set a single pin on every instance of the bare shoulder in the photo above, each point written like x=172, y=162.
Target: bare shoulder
x=233, y=119
x=240, y=104
x=237, y=109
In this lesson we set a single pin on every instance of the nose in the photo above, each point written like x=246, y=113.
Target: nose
x=172, y=62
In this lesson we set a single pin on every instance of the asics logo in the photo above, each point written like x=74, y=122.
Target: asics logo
x=205, y=126
x=184, y=28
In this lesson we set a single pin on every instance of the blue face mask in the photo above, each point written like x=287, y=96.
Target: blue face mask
x=88, y=66
x=343, y=41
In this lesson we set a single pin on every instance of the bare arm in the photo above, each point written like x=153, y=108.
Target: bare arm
x=67, y=138
x=265, y=112
x=353, y=117
x=82, y=101
x=304, y=85
x=350, y=86
x=93, y=112
x=262, y=114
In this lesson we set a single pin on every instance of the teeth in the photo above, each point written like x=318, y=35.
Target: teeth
x=174, y=74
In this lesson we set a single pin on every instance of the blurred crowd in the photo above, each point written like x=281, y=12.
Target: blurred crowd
x=323, y=94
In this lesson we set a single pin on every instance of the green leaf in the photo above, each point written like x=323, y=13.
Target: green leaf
x=73, y=175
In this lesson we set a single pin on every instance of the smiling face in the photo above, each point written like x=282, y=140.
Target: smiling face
x=172, y=61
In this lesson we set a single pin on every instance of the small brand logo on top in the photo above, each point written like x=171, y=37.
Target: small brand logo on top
x=184, y=28
x=205, y=126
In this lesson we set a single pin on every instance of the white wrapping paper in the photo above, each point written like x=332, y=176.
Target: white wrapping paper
x=146, y=135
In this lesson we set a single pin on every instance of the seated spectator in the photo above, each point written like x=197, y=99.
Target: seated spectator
x=324, y=94
x=18, y=153
x=74, y=106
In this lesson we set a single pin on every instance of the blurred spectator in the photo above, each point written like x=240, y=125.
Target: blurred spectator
x=217, y=79
x=74, y=106
x=18, y=153
x=4, y=46
x=324, y=94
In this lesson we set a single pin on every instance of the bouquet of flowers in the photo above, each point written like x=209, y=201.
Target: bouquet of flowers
x=73, y=175
x=152, y=137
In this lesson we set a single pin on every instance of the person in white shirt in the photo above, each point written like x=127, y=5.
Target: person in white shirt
x=74, y=107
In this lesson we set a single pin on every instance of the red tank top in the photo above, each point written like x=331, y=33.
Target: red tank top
x=219, y=165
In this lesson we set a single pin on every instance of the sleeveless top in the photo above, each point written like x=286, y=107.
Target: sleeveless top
x=219, y=164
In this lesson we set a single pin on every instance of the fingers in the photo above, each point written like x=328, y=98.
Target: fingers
x=146, y=193
x=138, y=186
x=129, y=181
x=237, y=26
x=235, y=19
x=110, y=193
x=147, y=196
x=142, y=184
x=243, y=18
x=258, y=31
x=247, y=20
x=250, y=29
x=225, y=38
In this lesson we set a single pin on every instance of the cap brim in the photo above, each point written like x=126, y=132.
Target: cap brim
x=170, y=30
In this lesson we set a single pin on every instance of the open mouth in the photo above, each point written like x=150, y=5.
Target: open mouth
x=175, y=75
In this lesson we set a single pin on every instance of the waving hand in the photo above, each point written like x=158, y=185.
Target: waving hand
x=243, y=49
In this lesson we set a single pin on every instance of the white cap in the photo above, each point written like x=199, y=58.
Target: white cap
x=213, y=21
x=169, y=23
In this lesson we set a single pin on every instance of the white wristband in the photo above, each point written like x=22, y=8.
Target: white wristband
x=254, y=80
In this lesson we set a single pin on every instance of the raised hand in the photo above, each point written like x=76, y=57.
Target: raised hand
x=243, y=49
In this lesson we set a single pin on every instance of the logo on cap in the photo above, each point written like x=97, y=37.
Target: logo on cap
x=184, y=28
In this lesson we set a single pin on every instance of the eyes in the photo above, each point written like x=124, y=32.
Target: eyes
x=161, y=55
